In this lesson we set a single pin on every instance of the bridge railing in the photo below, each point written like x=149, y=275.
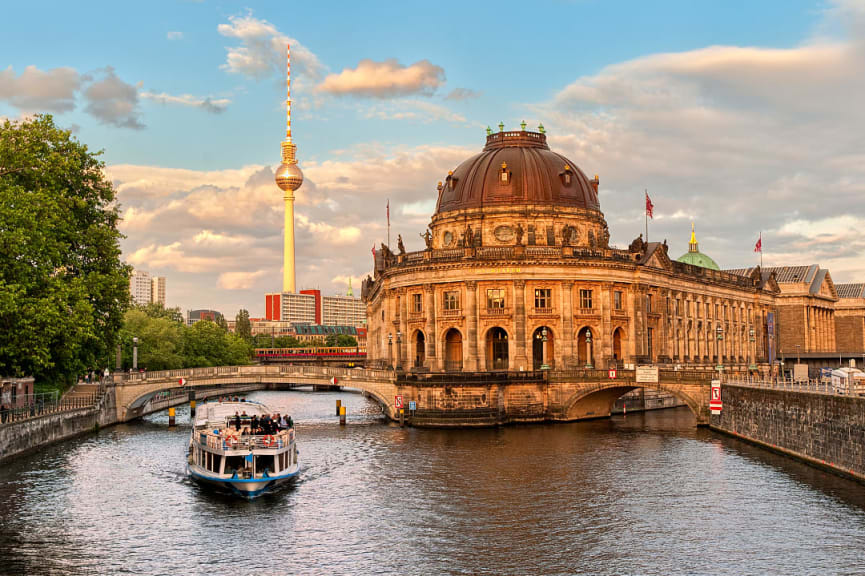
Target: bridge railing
x=258, y=370
x=43, y=404
x=818, y=386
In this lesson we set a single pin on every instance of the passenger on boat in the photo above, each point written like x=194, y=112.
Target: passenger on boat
x=254, y=425
x=237, y=421
x=290, y=422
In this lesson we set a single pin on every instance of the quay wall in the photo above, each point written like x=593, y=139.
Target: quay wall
x=824, y=430
x=17, y=438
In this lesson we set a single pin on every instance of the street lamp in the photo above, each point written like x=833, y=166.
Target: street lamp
x=544, y=365
x=589, y=349
x=135, y=353
x=719, y=335
x=398, y=350
x=390, y=349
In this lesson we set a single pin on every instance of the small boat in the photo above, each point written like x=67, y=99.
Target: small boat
x=246, y=463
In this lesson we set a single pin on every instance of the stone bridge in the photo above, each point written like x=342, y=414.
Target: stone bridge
x=441, y=399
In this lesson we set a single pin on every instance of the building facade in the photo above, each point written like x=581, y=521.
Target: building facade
x=310, y=307
x=343, y=311
x=850, y=318
x=518, y=274
x=157, y=290
x=140, y=287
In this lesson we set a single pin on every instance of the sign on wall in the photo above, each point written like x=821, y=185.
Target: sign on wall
x=647, y=374
x=715, y=403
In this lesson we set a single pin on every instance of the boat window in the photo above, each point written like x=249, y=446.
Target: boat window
x=217, y=462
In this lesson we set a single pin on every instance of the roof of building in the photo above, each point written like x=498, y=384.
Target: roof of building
x=324, y=330
x=517, y=168
x=696, y=258
x=851, y=290
x=812, y=275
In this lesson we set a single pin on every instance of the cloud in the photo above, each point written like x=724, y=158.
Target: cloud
x=174, y=35
x=741, y=139
x=112, y=101
x=35, y=90
x=240, y=280
x=208, y=104
x=385, y=79
x=462, y=94
x=261, y=53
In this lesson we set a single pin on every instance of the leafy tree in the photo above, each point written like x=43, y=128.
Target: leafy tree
x=346, y=340
x=63, y=288
x=160, y=341
x=242, y=325
x=158, y=310
x=206, y=344
x=222, y=322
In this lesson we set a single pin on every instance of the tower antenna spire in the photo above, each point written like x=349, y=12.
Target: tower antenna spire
x=288, y=92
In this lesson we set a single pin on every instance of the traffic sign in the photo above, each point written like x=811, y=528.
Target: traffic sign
x=612, y=373
x=183, y=381
x=333, y=381
x=397, y=402
x=412, y=405
x=715, y=404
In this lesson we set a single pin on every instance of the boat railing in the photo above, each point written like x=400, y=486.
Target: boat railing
x=229, y=440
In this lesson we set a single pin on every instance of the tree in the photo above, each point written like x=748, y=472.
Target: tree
x=158, y=310
x=160, y=341
x=242, y=325
x=206, y=344
x=63, y=288
x=346, y=340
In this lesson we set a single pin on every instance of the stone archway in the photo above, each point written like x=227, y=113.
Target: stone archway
x=586, y=346
x=453, y=350
x=596, y=401
x=497, y=349
x=419, y=347
x=538, y=348
x=617, y=345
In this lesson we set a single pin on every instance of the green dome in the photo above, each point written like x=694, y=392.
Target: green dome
x=698, y=259
x=694, y=257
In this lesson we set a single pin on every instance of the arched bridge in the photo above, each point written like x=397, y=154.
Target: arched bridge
x=440, y=399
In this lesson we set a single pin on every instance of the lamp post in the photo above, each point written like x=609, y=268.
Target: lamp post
x=398, y=350
x=135, y=353
x=589, y=349
x=390, y=350
x=719, y=336
x=544, y=365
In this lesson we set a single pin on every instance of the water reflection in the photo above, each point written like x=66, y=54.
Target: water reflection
x=636, y=494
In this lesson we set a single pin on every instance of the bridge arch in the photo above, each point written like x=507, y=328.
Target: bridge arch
x=596, y=400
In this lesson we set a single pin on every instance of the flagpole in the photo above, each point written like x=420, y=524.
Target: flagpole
x=647, y=216
x=761, y=249
x=388, y=223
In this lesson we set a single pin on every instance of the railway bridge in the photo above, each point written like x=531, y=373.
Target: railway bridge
x=440, y=399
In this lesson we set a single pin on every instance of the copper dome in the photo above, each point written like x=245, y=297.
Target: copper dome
x=517, y=168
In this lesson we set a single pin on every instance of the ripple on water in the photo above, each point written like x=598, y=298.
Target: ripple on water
x=642, y=494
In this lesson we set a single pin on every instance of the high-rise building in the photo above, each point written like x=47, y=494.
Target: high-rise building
x=310, y=307
x=157, y=290
x=140, y=287
x=343, y=311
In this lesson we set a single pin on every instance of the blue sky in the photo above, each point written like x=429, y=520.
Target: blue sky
x=628, y=89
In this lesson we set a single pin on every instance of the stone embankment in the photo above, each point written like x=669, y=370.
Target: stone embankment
x=823, y=429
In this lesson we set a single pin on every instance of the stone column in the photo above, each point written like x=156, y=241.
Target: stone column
x=520, y=357
x=637, y=325
x=566, y=339
x=605, y=352
x=432, y=330
x=404, y=358
x=470, y=344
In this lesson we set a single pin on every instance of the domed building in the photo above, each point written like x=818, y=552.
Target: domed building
x=694, y=257
x=518, y=274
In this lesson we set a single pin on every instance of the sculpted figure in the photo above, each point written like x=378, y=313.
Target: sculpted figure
x=427, y=238
x=399, y=244
x=469, y=237
x=606, y=236
x=519, y=234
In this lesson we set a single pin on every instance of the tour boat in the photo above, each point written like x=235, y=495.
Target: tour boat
x=245, y=463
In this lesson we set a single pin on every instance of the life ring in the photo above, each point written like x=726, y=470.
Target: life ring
x=268, y=441
x=231, y=440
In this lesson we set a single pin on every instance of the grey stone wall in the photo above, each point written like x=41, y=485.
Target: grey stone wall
x=821, y=429
x=26, y=435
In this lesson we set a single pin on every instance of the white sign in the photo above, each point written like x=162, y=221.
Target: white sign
x=612, y=373
x=647, y=374
x=333, y=380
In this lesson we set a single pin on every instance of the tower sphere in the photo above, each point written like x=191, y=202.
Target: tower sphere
x=288, y=177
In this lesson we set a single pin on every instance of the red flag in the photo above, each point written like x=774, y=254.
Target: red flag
x=758, y=247
x=373, y=251
x=649, y=206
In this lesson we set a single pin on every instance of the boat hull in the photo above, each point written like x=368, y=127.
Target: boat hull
x=245, y=487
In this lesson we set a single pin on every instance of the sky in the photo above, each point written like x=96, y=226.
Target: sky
x=742, y=117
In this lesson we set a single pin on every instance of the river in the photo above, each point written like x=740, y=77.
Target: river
x=636, y=494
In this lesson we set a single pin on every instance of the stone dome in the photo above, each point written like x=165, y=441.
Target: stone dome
x=517, y=168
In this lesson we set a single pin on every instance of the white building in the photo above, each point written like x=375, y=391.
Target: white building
x=140, y=287
x=342, y=311
x=157, y=290
x=299, y=308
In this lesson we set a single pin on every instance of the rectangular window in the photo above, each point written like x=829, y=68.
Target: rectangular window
x=495, y=298
x=452, y=300
x=648, y=303
x=417, y=303
x=677, y=307
x=668, y=306
x=586, y=299
x=531, y=235
x=708, y=310
x=543, y=298
x=551, y=236
x=617, y=300
x=649, y=338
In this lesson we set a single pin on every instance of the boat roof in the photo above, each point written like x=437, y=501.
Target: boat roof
x=218, y=411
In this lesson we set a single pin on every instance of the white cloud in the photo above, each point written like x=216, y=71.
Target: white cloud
x=213, y=105
x=261, y=53
x=35, y=90
x=385, y=79
x=240, y=280
x=174, y=35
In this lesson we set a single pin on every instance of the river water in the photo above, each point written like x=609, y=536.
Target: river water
x=636, y=494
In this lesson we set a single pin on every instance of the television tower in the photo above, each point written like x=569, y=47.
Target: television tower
x=288, y=178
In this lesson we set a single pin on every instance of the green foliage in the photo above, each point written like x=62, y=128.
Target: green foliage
x=63, y=288
x=242, y=325
x=158, y=310
x=346, y=340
